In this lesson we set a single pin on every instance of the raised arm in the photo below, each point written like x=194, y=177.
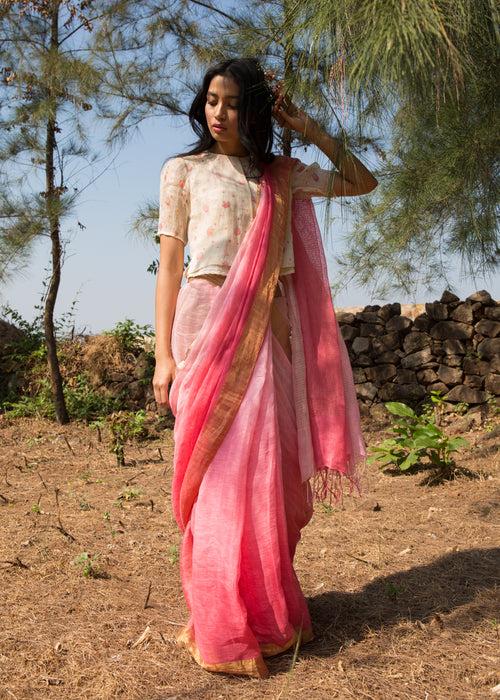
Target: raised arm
x=353, y=177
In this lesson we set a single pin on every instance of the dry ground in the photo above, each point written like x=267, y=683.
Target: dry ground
x=402, y=582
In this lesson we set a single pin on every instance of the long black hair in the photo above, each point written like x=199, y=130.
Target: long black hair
x=255, y=100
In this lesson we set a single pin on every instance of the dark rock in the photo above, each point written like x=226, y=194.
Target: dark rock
x=380, y=414
x=472, y=365
x=449, y=375
x=388, y=357
x=492, y=312
x=426, y=376
x=421, y=323
x=447, y=297
x=363, y=360
x=345, y=317
x=385, y=312
x=406, y=376
x=485, y=298
x=436, y=311
x=463, y=312
x=489, y=347
x=360, y=345
x=415, y=359
x=475, y=381
x=359, y=375
x=494, y=364
x=368, y=317
x=401, y=392
x=380, y=373
x=389, y=341
x=466, y=394
x=453, y=346
x=492, y=384
x=349, y=332
x=136, y=390
x=371, y=329
x=488, y=327
x=143, y=366
x=443, y=330
x=416, y=341
x=398, y=323
x=367, y=390
x=453, y=360
x=372, y=307
x=437, y=386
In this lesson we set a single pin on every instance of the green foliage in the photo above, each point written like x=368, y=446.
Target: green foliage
x=82, y=400
x=125, y=426
x=414, y=438
x=88, y=565
x=130, y=335
x=173, y=554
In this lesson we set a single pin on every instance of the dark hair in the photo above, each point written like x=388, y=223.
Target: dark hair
x=254, y=113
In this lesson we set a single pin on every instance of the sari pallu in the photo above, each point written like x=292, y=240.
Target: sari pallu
x=250, y=432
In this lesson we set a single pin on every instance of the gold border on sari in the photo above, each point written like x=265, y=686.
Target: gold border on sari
x=238, y=376
x=256, y=667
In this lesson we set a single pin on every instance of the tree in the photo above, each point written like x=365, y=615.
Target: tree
x=427, y=74
x=59, y=63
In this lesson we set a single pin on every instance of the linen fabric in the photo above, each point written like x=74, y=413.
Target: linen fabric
x=209, y=200
x=242, y=505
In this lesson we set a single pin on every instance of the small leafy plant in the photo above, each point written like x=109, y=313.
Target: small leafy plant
x=416, y=437
x=125, y=426
x=88, y=565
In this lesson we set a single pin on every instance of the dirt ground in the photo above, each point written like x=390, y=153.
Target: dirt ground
x=402, y=582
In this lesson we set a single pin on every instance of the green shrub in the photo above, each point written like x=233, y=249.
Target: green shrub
x=130, y=335
x=126, y=426
x=415, y=438
x=82, y=400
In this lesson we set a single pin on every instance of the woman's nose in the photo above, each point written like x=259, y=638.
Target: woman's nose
x=220, y=111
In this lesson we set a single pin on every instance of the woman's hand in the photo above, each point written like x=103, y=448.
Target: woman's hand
x=290, y=116
x=164, y=375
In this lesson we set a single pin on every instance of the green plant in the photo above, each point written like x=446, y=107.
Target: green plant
x=88, y=565
x=415, y=438
x=173, y=554
x=125, y=426
x=129, y=494
x=130, y=335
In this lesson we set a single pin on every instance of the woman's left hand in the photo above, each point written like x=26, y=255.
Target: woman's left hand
x=291, y=117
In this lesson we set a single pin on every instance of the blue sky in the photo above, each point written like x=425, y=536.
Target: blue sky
x=106, y=264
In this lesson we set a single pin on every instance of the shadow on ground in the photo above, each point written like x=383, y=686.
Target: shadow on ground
x=415, y=594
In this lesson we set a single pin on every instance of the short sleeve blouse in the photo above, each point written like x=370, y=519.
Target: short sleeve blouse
x=208, y=202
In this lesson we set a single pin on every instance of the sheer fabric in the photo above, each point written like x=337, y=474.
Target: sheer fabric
x=242, y=505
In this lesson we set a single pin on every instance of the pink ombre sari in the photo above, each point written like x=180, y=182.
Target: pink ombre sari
x=252, y=427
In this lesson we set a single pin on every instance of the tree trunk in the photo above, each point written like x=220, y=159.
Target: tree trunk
x=52, y=198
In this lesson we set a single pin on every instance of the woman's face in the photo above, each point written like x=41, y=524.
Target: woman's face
x=221, y=112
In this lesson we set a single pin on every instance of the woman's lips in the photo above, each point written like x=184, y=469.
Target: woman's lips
x=218, y=127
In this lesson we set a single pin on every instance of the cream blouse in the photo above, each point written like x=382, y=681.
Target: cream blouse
x=208, y=202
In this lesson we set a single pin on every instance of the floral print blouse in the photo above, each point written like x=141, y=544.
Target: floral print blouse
x=208, y=202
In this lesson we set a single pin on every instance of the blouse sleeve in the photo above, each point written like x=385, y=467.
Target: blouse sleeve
x=174, y=200
x=312, y=181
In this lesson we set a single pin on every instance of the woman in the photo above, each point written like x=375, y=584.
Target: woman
x=260, y=381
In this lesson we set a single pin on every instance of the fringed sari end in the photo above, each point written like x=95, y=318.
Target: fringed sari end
x=328, y=485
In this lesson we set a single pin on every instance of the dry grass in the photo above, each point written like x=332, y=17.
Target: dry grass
x=402, y=582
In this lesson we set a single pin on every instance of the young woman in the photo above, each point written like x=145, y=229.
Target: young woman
x=250, y=357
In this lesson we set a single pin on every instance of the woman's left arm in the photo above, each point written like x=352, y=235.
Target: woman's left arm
x=354, y=178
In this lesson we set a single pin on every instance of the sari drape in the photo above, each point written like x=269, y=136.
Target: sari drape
x=251, y=428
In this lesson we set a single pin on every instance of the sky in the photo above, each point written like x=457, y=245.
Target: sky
x=105, y=265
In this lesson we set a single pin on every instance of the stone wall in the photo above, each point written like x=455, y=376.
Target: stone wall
x=453, y=346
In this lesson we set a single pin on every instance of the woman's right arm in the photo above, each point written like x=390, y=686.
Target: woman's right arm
x=168, y=283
